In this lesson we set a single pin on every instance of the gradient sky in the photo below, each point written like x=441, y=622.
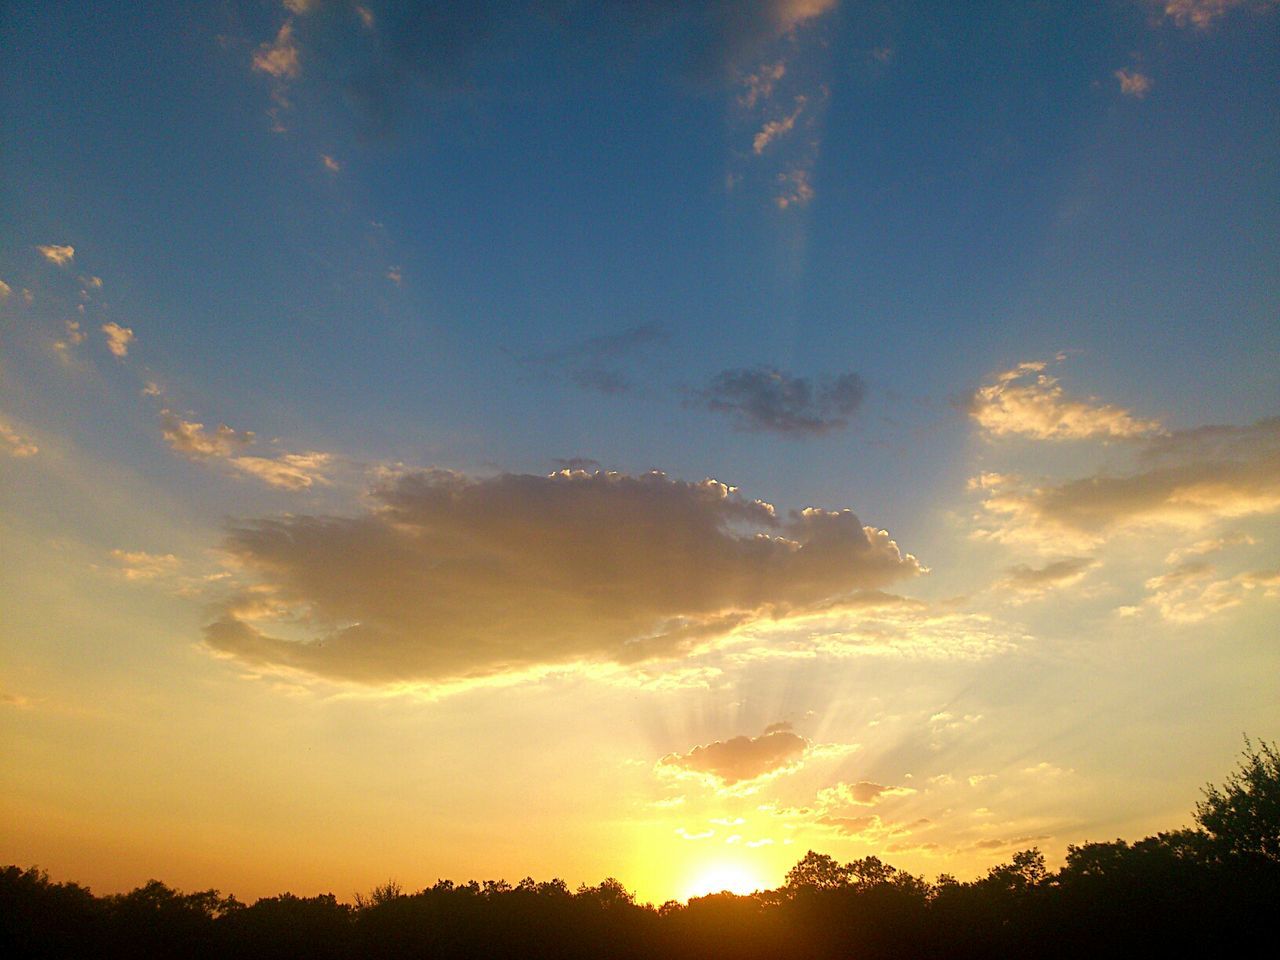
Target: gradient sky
x=587, y=437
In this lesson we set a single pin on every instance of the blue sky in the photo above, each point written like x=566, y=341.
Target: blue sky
x=833, y=254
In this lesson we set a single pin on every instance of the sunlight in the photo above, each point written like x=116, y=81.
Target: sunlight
x=737, y=878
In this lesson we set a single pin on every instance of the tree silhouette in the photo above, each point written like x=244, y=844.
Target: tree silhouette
x=1243, y=815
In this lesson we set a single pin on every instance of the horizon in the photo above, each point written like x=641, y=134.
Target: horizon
x=585, y=439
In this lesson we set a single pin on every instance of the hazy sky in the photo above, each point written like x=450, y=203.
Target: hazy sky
x=648, y=438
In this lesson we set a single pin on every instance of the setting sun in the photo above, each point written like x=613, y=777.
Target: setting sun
x=724, y=875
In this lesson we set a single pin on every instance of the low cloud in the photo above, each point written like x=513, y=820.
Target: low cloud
x=765, y=398
x=448, y=577
x=118, y=339
x=1191, y=479
x=741, y=759
x=1026, y=401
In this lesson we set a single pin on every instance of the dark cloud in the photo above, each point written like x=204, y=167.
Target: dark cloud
x=597, y=363
x=742, y=758
x=449, y=577
x=765, y=398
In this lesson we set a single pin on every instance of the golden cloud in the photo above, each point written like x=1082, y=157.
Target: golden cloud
x=449, y=577
x=742, y=759
x=1025, y=401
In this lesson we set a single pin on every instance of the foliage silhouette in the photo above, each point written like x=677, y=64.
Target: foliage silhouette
x=1191, y=892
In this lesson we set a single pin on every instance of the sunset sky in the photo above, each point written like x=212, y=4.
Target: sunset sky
x=630, y=437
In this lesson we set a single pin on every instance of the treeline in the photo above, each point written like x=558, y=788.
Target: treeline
x=1205, y=892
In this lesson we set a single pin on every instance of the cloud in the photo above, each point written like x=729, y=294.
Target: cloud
x=1025, y=401
x=1202, y=13
x=15, y=444
x=74, y=337
x=1193, y=592
x=765, y=398
x=118, y=339
x=864, y=793
x=1028, y=583
x=138, y=565
x=57, y=254
x=1212, y=545
x=774, y=129
x=759, y=85
x=577, y=463
x=1193, y=478
x=740, y=759
x=1133, y=83
x=193, y=441
x=280, y=58
x=289, y=471
x=448, y=577
x=596, y=363
x=795, y=188
x=330, y=164
x=5, y=290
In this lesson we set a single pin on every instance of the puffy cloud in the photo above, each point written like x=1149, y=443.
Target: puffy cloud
x=1133, y=83
x=449, y=577
x=1192, y=478
x=279, y=59
x=118, y=339
x=1028, y=402
x=57, y=254
x=742, y=758
x=1202, y=13
x=193, y=441
x=765, y=398
x=290, y=471
x=15, y=444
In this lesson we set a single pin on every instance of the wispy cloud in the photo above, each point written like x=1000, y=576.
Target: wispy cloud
x=449, y=577
x=1024, y=583
x=599, y=363
x=1202, y=13
x=192, y=440
x=287, y=471
x=279, y=58
x=765, y=398
x=1026, y=401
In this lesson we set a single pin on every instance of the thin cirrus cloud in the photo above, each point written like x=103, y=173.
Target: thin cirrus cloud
x=451, y=578
x=598, y=364
x=765, y=398
x=1187, y=480
x=1026, y=401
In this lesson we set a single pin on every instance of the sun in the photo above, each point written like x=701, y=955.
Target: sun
x=723, y=875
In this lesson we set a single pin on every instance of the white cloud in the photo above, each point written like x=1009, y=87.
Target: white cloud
x=118, y=339
x=1025, y=401
x=449, y=577
x=57, y=254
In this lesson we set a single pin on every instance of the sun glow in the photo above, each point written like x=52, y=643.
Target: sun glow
x=718, y=877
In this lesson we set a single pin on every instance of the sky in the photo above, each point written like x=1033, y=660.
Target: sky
x=584, y=438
